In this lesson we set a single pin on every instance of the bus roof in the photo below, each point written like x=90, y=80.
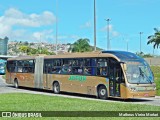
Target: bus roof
x=119, y=55
x=82, y=55
x=22, y=58
x=124, y=55
x=68, y=55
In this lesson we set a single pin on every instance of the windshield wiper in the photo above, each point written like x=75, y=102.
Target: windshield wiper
x=144, y=75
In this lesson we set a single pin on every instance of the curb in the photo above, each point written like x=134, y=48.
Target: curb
x=158, y=97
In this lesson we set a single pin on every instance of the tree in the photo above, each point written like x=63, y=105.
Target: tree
x=155, y=39
x=141, y=54
x=81, y=45
x=24, y=49
x=32, y=51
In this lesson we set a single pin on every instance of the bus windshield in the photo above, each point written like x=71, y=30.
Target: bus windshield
x=139, y=72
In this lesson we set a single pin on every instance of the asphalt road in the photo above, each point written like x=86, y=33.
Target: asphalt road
x=5, y=88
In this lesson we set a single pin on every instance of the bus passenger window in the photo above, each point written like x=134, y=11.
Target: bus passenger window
x=87, y=62
x=56, y=70
x=77, y=70
x=66, y=69
x=102, y=67
x=104, y=71
x=80, y=70
x=25, y=69
x=87, y=71
x=19, y=69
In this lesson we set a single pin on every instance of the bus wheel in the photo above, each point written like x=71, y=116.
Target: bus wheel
x=16, y=84
x=102, y=93
x=56, y=88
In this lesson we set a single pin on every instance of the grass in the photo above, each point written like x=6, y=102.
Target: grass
x=35, y=102
x=156, y=72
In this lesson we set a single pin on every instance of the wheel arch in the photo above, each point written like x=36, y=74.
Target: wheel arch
x=15, y=79
x=98, y=86
x=101, y=85
x=54, y=81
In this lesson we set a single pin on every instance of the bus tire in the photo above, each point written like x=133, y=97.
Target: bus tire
x=102, y=92
x=56, y=88
x=16, y=83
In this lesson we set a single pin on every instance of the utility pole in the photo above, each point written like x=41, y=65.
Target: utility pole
x=94, y=25
x=127, y=45
x=56, y=25
x=40, y=44
x=108, y=39
x=140, y=33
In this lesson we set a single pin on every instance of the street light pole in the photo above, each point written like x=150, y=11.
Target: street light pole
x=127, y=45
x=140, y=33
x=108, y=40
x=56, y=25
x=94, y=25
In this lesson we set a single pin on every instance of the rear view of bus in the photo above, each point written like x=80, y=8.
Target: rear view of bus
x=139, y=79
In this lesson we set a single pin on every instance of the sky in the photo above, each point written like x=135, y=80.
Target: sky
x=35, y=21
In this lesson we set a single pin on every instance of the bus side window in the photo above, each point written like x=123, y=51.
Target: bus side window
x=103, y=71
x=20, y=66
x=19, y=69
x=77, y=66
x=102, y=67
x=56, y=66
x=87, y=70
x=87, y=62
x=11, y=66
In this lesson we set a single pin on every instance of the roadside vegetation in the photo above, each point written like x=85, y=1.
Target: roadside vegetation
x=32, y=51
x=156, y=72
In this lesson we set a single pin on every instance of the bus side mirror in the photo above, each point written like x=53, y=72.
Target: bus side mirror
x=125, y=67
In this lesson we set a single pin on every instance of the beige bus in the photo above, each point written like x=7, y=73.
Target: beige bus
x=105, y=74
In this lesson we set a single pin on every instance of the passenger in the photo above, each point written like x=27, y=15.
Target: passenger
x=69, y=69
x=86, y=71
x=64, y=69
x=103, y=72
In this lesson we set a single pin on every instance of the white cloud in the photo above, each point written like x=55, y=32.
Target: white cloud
x=112, y=31
x=4, y=29
x=15, y=18
x=105, y=28
x=43, y=36
x=115, y=33
x=18, y=33
x=86, y=25
x=75, y=37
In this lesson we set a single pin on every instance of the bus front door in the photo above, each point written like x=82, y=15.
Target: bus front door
x=115, y=80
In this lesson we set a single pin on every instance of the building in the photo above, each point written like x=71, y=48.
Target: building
x=3, y=46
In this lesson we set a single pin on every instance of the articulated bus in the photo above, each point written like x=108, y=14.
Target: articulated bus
x=105, y=74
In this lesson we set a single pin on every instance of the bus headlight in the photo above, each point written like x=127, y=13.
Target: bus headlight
x=133, y=89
